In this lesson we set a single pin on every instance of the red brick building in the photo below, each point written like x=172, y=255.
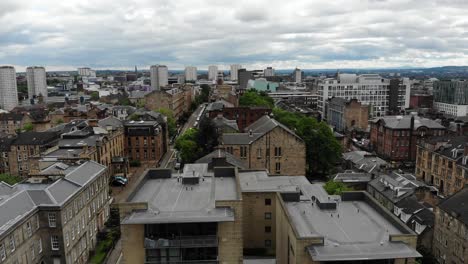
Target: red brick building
x=244, y=115
x=395, y=137
x=421, y=101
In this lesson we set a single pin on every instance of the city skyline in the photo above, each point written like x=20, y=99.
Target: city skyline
x=303, y=34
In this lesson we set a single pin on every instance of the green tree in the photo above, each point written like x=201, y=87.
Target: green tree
x=9, y=179
x=323, y=151
x=207, y=136
x=59, y=121
x=94, y=96
x=28, y=127
x=336, y=188
x=171, y=122
x=188, y=147
x=254, y=98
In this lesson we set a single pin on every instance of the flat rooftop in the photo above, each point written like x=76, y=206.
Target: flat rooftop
x=170, y=200
x=259, y=181
x=354, y=229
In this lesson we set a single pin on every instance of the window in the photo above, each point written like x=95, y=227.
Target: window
x=78, y=230
x=259, y=153
x=278, y=167
x=65, y=217
x=52, y=220
x=28, y=229
x=2, y=252
x=277, y=151
x=39, y=244
x=243, y=152
x=268, y=243
x=67, y=239
x=54, y=242
x=83, y=222
x=267, y=215
x=37, y=221
x=12, y=244
x=268, y=201
x=267, y=229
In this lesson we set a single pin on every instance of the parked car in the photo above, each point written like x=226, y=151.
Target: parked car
x=117, y=182
x=121, y=178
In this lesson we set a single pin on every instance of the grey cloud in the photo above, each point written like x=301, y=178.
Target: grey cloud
x=305, y=33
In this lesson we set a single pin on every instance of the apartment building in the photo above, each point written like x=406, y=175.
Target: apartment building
x=54, y=219
x=450, y=230
x=190, y=73
x=177, y=100
x=10, y=123
x=100, y=141
x=442, y=163
x=8, y=88
x=268, y=144
x=159, y=76
x=37, y=84
x=193, y=217
x=314, y=227
x=145, y=141
x=395, y=137
x=345, y=115
x=26, y=145
x=370, y=89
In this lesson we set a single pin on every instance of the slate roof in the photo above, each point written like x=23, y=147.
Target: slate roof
x=365, y=161
x=253, y=132
x=457, y=205
x=219, y=153
x=35, y=138
x=404, y=122
x=395, y=187
x=221, y=121
x=23, y=198
x=5, y=144
x=111, y=121
x=409, y=205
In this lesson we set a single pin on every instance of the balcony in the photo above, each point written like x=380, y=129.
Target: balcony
x=182, y=242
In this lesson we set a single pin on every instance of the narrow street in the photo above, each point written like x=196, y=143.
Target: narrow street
x=120, y=194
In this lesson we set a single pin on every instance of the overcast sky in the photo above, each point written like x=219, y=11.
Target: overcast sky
x=118, y=34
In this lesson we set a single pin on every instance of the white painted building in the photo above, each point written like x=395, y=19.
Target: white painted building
x=190, y=73
x=8, y=88
x=369, y=89
x=212, y=72
x=269, y=71
x=88, y=72
x=234, y=69
x=37, y=82
x=159, y=75
x=297, y=75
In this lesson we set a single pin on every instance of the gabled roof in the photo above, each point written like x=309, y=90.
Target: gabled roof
x=409, y=205
x=404, y=122
x=219, y=153
x=423, y=217
x=256, y=130
x=20, y=199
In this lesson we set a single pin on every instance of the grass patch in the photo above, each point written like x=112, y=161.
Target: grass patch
x=101, y=251
x=10, y=179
